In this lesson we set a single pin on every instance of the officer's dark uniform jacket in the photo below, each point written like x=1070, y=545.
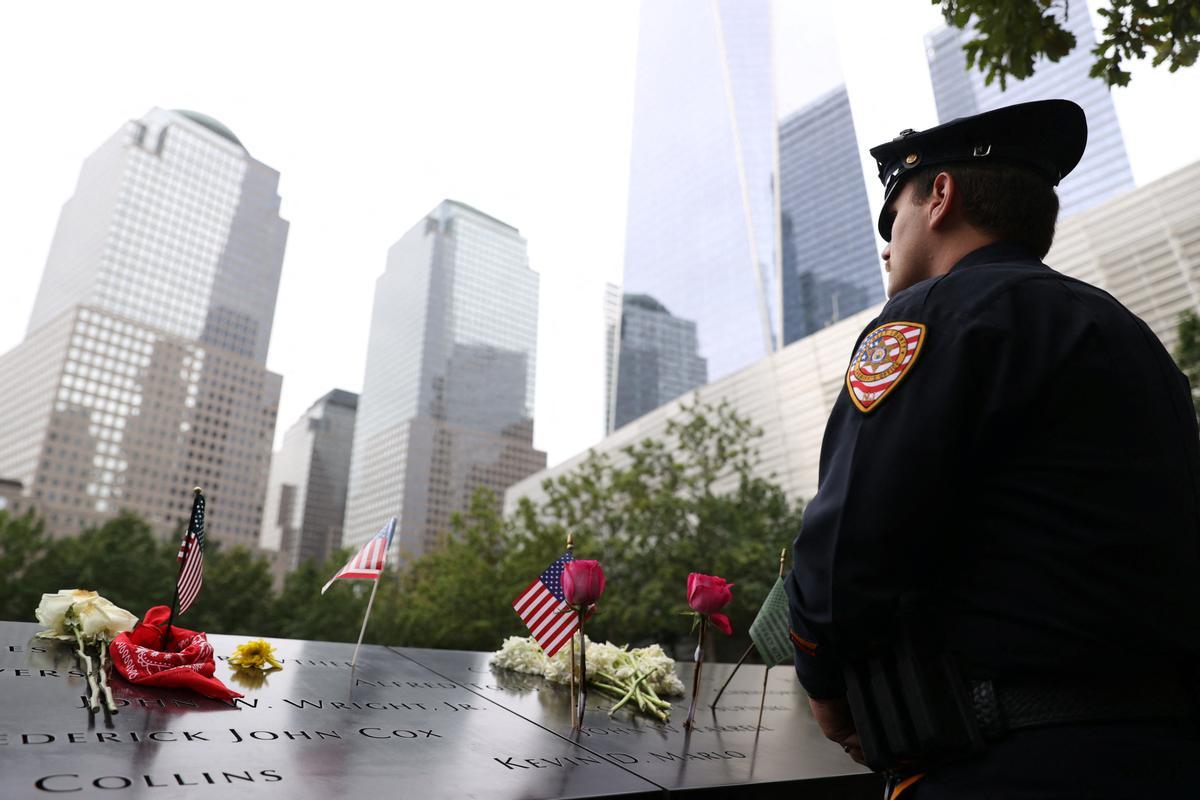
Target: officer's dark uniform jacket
x=1036, y=472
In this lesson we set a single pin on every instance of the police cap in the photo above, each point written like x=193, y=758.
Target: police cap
x=1046, y=136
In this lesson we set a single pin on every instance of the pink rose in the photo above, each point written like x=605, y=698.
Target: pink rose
x=582, y=582
x=708, y=594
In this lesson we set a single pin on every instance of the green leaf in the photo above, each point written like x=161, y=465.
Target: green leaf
x=1012, y=38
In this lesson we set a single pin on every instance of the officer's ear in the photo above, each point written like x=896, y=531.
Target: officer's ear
x=941, y=200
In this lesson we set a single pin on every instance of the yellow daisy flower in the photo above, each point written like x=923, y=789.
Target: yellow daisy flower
x=256, y=654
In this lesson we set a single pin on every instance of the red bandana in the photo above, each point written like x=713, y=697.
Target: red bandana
x=187, y=663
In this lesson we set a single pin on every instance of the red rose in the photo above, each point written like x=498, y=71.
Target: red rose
x=582, y=582
x=708, y=594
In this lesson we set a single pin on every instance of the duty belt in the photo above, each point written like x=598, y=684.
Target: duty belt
x=1007, y=706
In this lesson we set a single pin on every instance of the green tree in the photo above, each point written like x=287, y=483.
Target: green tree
x=690, y=502
x=22, y=545
x=456, y=596
x=236, y=598
x=1010, y=35
x=302, y=612
x=460, y=596
x=1187, y=352
x=121, y=559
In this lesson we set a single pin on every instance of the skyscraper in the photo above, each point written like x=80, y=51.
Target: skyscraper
x=306, y=490
x=752, y=234
x=1104, y=170
x=830, y=259
x=447, y=400
x=702, y=237
x=657, y=359
x=142, y=371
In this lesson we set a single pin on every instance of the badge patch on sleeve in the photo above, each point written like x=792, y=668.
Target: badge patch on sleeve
x=884, y=357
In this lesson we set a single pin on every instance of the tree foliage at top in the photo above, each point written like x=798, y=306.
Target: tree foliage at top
x=1010, y=35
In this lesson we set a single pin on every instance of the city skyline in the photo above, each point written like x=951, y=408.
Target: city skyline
x=347, y=204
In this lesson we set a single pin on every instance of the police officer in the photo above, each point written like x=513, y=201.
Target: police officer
x=1015, y=456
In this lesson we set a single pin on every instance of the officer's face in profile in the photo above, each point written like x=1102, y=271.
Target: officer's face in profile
x=906, y=256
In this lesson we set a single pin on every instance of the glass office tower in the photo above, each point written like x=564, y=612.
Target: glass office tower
x=447, y=399
x=701, y=236
x=173, y=225
x=142, y=373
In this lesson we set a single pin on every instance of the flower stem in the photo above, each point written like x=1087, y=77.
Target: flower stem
x=109, y=703
x=648, y=701
x=582, y=707
x=94, y=694
x=690, y=722
x=574, y=679
x=633, y=689
x=608, y=688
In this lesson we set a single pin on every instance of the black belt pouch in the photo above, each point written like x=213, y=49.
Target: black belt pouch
x=911, y=706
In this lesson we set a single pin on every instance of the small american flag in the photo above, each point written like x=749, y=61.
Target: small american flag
x=191, y=556
x=368, y=561
x=539, y=606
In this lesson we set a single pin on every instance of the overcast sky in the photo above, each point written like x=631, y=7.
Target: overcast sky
x=374, y=112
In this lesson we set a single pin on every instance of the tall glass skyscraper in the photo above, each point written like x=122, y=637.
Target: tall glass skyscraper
x=447, y=400
x=744, y=236
x=143, y=371
x=1103, y=172
x=173, y=224
x=702, y=237
x=830, y=260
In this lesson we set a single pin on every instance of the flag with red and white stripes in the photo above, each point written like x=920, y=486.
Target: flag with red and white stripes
x=369, y=560
x=191, y=557
x=544, y=610
x=882, y=359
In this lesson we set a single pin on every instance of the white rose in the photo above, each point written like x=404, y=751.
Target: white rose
x=52, y=611
x=99, y=617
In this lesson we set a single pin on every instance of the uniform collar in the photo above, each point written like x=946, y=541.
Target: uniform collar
x=996, y=252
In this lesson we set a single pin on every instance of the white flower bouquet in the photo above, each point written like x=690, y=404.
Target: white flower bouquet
x=90, y=621
x=642, y=676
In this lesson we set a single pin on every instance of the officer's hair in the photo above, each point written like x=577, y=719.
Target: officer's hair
x=1012, y=203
